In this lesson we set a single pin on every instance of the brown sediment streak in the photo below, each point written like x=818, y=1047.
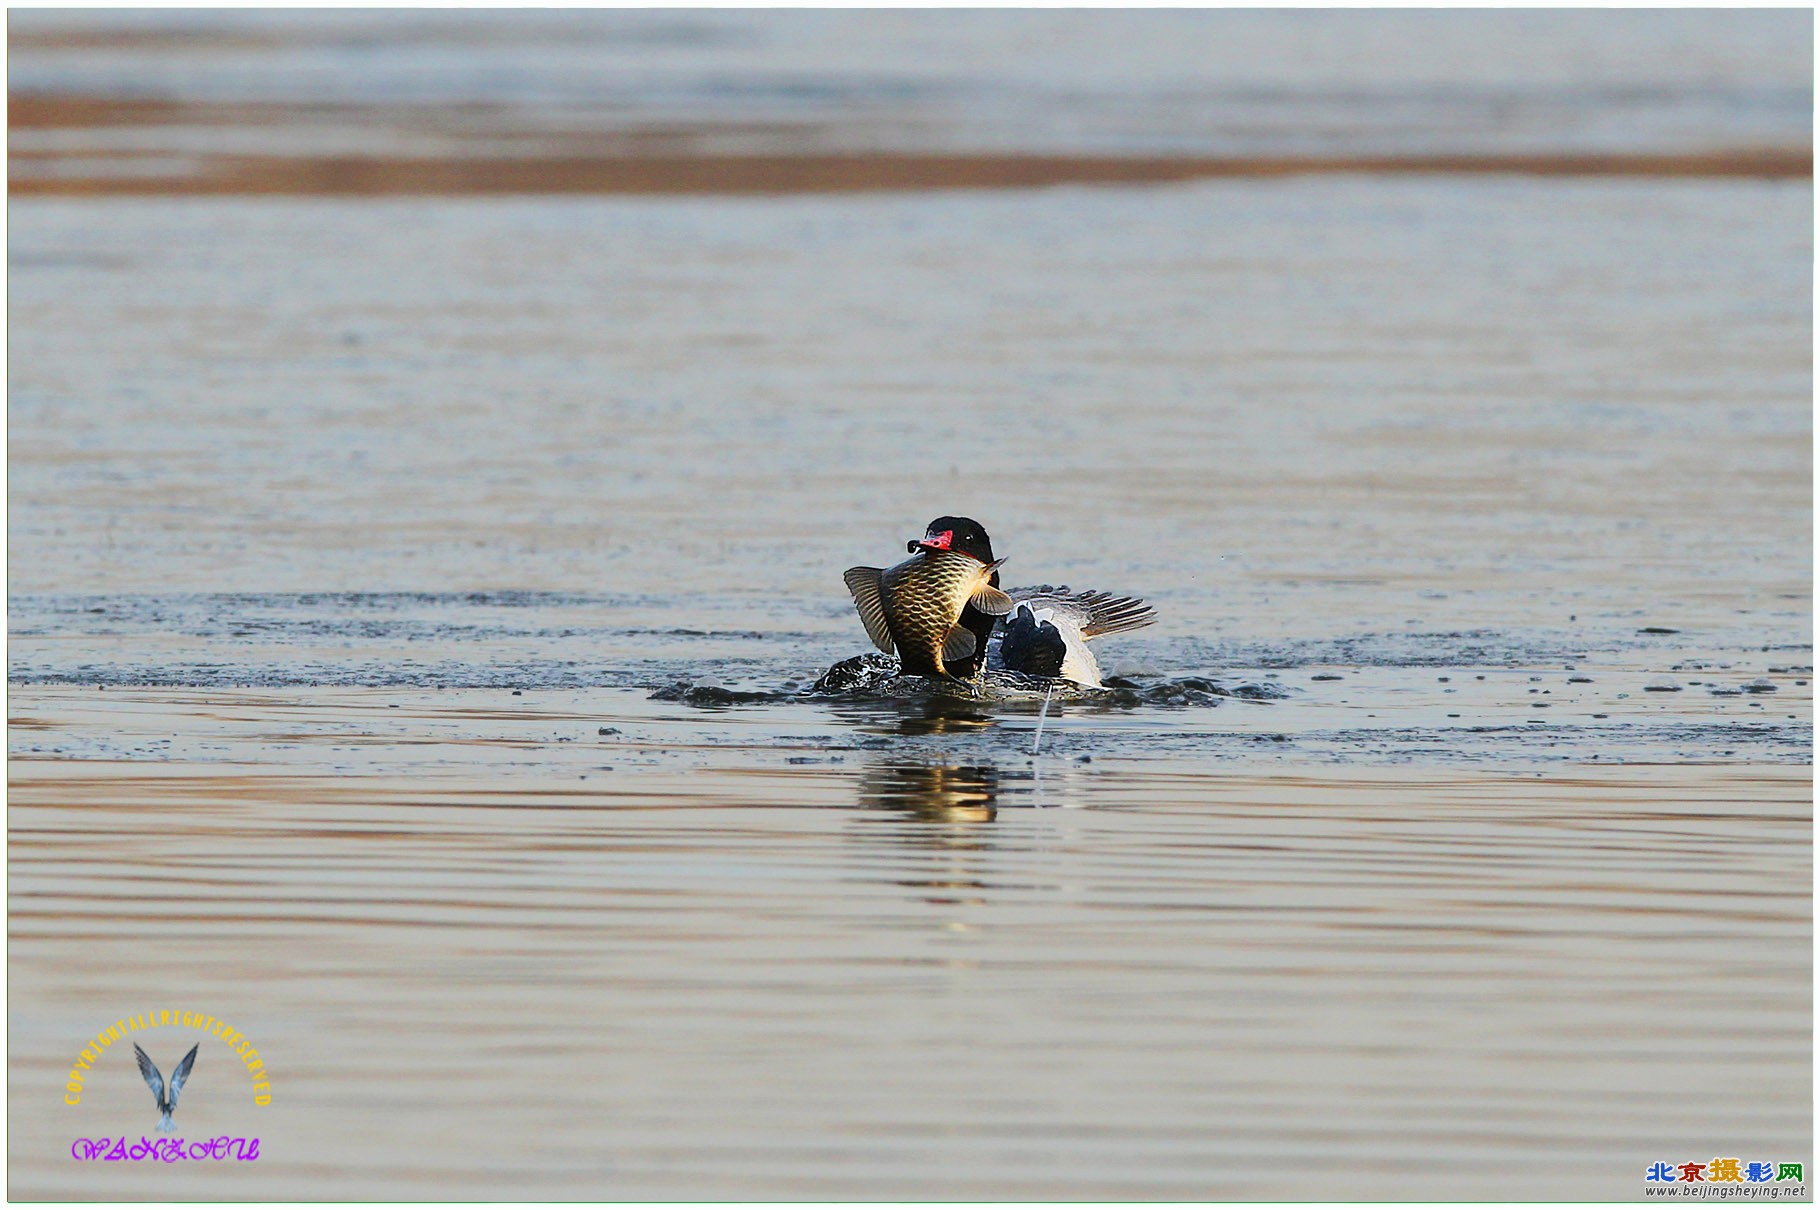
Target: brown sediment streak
x=353, y=176
x=81, y=111
x=675, y=159
x=140, y=39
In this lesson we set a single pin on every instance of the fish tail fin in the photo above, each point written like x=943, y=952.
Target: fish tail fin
x=867, y=584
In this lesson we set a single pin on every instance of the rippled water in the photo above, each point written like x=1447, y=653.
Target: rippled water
x=1162, y=81
x=898, y=978
x=414, y=609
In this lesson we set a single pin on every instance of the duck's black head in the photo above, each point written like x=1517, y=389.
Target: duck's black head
x=962, y=534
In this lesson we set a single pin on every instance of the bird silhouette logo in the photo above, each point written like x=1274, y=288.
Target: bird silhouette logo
x=154, y=1079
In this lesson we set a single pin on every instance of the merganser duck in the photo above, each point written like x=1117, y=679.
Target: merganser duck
x=1046, y=632
x=937, y=608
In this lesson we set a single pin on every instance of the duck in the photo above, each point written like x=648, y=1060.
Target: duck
x=1046, y=631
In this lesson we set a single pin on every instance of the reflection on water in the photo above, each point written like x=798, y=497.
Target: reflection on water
x=1197, y=986
x=940, y=714
x=949, y=793
x=940, y=810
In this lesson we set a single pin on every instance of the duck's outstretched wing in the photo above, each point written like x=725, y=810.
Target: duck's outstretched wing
x=1093, y=613
x=153, y=1078
x=183, y=1073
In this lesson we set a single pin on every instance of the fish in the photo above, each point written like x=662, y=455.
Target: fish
x=936, y=609
x=154, y=1080
x=1046, y=631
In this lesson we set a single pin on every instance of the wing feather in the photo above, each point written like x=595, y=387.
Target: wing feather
x=153, y=1078
x=1112, y=614
x=1095, y=613
x=183, y=1073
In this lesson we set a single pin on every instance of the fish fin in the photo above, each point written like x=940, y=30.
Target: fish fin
x=989, y=600
x=959, y=644
x=868, y=589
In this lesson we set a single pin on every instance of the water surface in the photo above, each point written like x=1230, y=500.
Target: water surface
x=414, y=606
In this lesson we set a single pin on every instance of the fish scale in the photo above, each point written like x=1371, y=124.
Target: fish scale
x=914, y=607
x=924, y=596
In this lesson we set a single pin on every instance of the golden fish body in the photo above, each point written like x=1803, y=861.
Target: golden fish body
x=924, y=596
x=915, y=607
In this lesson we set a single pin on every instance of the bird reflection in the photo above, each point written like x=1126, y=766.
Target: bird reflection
x=939, y=810
x=945, y=715
x=945, y=793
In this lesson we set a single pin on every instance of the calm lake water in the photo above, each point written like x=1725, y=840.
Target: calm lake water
x=412, y=608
